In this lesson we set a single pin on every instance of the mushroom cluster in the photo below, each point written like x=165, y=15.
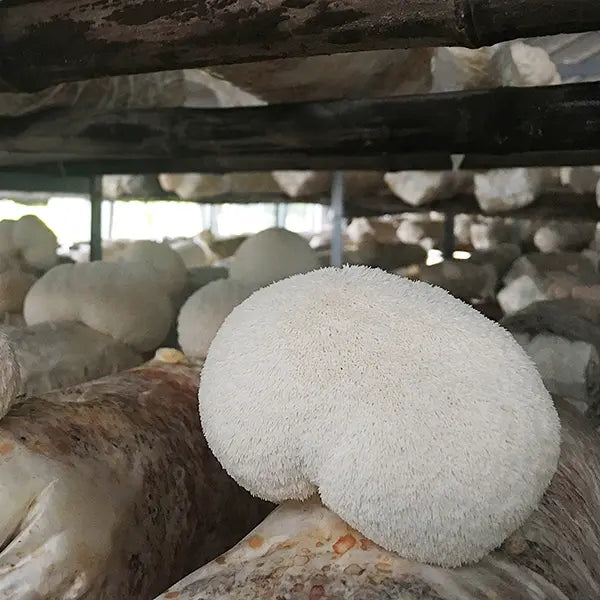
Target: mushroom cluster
x=268, y=256
x=123, y=300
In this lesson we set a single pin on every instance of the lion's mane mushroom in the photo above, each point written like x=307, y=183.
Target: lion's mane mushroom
x=193, y=253
x=10, y=376
x=30, y=240
x=123, y=300
x=35, y=242
x=421, y=423
x=167, y=263
x=271, y=255
x=204, y=312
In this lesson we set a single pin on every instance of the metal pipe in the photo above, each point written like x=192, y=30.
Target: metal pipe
x=337, y=208
x=96, y=218
x=213, y=219
x=111, y=218
x=281, y=214
x=448, y=242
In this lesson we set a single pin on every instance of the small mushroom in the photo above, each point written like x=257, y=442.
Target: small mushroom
x=271, y=255
x=204, y=312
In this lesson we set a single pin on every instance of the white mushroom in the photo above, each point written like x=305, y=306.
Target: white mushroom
x=582, y=180
x=204, y=312
x=522, y=65
x=193, y=254
x=539, y=276
x=198, y=186
x=555, y=236
x=168, y=265
x=123, y=300
x=303, y=183
x=271, y=255
x=30, y=238
x=193, y=186
x=436, y=442
x=487, y=233
x=507, y=189
x=418, y=188
x=422, y=230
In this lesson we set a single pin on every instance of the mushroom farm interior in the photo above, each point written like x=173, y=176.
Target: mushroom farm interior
x=220, y=217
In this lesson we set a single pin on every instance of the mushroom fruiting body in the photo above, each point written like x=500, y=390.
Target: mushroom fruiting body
x=519, y=64
x=30, y=238
x=271, y=255
x=421, y=423
x=507, y=189
x=192, y=253
x=204, y=312
x=169, y=266
x=193, y=186
x=123, y=300
x=418, y=188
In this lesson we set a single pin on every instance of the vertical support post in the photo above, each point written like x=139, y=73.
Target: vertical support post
x=280, y=214
x=337, y=209
x=214, y=223
x=205, y=211
x=111, y=218
x=96, y=218
x=448, y=242
x=325, y=215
